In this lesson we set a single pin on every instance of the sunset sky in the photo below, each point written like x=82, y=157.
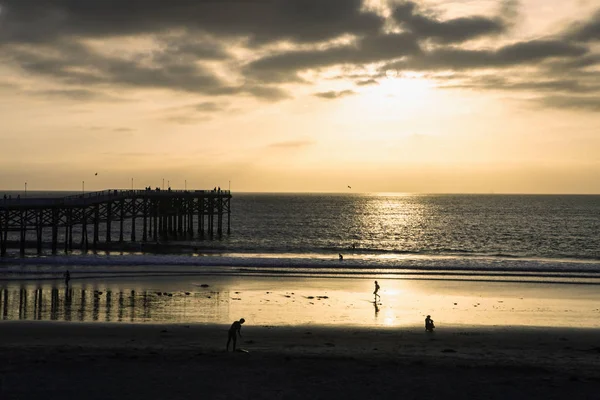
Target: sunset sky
x=432, y=96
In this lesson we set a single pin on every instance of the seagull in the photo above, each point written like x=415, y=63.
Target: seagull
x=96, y=174
x=349, y=187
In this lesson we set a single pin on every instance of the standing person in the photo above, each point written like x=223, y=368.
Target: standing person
x=234, y=330
x=376, y=291
x=429, y=324
x=67, y=277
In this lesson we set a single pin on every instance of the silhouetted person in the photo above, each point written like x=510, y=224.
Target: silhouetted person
x=376, y=308
x=67, y=277
x=341, y=256
x=376, y=292
x=236, y=329
x=429, y=324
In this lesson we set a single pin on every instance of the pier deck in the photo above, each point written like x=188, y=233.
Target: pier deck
x=169, y=214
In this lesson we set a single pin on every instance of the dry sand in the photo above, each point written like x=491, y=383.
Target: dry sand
x=114, y=361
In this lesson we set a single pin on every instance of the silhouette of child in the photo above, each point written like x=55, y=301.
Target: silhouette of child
x=429, y=324
x=376, y=290
x=234, y=330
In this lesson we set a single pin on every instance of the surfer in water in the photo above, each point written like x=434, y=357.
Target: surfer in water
x=235, y=330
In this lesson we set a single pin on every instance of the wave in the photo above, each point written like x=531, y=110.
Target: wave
x=315, y=262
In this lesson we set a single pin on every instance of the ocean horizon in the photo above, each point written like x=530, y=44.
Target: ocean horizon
x=486, y=235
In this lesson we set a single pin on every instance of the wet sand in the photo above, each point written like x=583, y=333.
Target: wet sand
x=293, y=301
x=115, y=361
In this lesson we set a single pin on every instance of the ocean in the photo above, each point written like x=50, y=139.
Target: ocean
x=553, y=237
x=276, y=266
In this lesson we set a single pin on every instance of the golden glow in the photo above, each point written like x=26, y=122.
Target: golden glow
x=408, y=132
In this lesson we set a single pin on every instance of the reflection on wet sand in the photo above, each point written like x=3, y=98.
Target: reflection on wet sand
x=109, y=305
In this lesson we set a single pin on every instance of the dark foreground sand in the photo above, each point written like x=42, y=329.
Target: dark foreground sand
x=42, y=360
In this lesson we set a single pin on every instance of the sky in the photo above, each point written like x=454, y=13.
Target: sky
x=463, y=96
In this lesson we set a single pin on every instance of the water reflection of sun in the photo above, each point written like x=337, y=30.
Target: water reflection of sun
x=397, y=218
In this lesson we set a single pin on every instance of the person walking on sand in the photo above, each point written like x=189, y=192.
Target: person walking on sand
x=234, y=330
x=376, y=292
x=67, y=277
x=429, y=324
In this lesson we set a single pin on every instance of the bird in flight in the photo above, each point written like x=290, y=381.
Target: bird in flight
x=349, y=187
x=96, y=174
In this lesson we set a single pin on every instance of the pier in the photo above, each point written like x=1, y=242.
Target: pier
x=89, y=220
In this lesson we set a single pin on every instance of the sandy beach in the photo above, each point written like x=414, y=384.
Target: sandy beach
x=306, y=338
x=113, y=361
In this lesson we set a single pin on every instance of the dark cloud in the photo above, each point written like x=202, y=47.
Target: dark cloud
x=580, y=103
x=262, y=21
x=521, y=53
x=527, y=83
x=367, y=82
x=450, y=31
x=76, y=64
x=587, y=31
x=188, y=47
x=332, y=94
x=75, y=94
x=284, y=66
x=208, y=106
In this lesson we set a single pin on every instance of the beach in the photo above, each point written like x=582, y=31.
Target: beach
x=94, y=361
x=305, y=337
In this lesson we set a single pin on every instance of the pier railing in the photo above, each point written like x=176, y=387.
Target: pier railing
x=99, y=196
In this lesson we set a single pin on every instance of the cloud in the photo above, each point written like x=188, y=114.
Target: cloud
x=520, y=53
x=366, y=82
x=35, y=21
x=75, y=95
x=208, y=106
x=586, y=32
x=580, y=103
x=76, y=64
x=450, y=31
x=198, y=47
x=292, y=144
x=332, y=94
x=186, y=119
x=284, y=66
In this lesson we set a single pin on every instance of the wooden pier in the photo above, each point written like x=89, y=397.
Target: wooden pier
x=162, y=214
